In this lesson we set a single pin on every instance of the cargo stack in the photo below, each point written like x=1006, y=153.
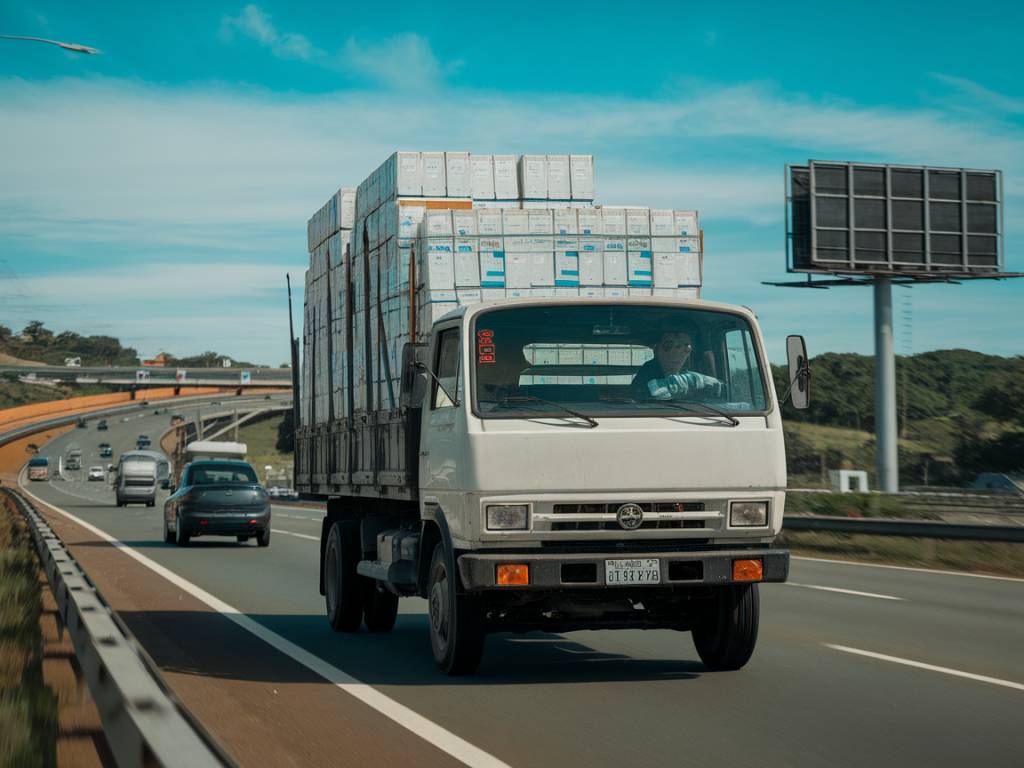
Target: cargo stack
x=428, y=232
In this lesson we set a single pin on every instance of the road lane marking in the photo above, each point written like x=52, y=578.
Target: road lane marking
x=299, y=535
x=929, y=667
x=844, y=591
x=907, y=568
x=429, y=731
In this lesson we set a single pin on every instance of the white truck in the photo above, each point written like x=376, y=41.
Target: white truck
x=543, y=461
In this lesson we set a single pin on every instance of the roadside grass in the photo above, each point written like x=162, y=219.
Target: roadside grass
x=15, y=393
x=260, y=439
x=992, y=558
x=28, y=708
x=854, y=505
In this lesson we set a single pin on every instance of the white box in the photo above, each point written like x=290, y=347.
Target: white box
x=506, y=177
x=638, y=222
x=464, y=223
x=665, y=244
x=468, y=296
x=492, y=269
x=481, y=177
x=478, y=204
x=539, y=222
x=434, y=184
x=409, y=218
x=616, y=292
x=515, y=221
x=686, y=224
x=638, y=243
x=565, y=243
x=689, y=245
x=437, y=223
x=688, y=269
x=533, y=177
x=640, y=269
x=581, y=174
x=664, y=266
x=589, y=221
x=440, y=269
x=591, y=267
x=467, y=267
x=567, y=269
x=615, y=268
x=613, y=221
x=663, y=223
x=409, y=173
x=488, y=221
x=688, y=293
x=457, y=175
x=565, y=221
x=542, y=270
x=492, y=294
x=558, y=184
x=517, y=270
x=345, y=200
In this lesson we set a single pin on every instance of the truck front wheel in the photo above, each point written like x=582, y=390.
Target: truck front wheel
x=344, y=597
x=726, y=632
x=456, y=620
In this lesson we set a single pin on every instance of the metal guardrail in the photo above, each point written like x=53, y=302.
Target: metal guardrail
x=144, y=722
x=924, y=529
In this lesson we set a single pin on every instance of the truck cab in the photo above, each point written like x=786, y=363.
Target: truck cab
x=575, y=464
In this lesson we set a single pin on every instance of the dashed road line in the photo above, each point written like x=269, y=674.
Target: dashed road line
x=908, y=568
x=929, y=667
x=844, y=591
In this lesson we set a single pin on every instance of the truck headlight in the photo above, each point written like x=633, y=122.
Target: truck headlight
x=507, y=517
x=748, y=514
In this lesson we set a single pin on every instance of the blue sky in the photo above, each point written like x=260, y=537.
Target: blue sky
x=159, y=192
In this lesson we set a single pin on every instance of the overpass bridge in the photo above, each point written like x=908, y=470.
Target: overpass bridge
x=142, y=377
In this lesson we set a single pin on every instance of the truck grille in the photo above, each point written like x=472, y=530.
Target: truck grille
x=611, y=525
x=611, y=509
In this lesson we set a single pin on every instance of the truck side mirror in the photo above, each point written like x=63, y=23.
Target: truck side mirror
x=799, y=372
x=414, y=380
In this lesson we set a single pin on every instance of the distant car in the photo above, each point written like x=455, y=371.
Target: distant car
x=218, y=497
x=125, y=419
x=101, y=425
x=81, y=424
x=999, y=482
x=106, y=451
x=143, y=441
x=97, y=473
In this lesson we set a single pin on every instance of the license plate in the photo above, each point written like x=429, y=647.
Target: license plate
x=645, y=570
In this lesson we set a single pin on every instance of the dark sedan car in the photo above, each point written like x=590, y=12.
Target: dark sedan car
x=218, y=497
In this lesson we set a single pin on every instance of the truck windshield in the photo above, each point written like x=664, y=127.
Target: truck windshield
x=614, y=360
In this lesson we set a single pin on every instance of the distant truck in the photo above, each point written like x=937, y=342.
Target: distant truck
x=74, y=458
x=38, y=468
x=72, y=362
x=518, y=455
x=136, y=479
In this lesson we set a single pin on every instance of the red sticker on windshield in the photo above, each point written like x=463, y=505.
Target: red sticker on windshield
x=485, y=348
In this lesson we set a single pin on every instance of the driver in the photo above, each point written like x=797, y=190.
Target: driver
x=664, y=376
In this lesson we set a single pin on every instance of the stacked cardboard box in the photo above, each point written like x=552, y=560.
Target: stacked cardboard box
x=428, y=232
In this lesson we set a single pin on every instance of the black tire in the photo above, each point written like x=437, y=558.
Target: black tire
x=456, y=620
x=380, y=607
x=343, y=592
x=181, y=536
x=242, y=539
x=119, y=502
x=727, y=631
x=168, y=535
x=263, y=538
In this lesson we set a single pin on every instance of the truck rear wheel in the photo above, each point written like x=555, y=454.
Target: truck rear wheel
x=726, y=634
x=380, y=608
x=456, y=620
x=343, y=593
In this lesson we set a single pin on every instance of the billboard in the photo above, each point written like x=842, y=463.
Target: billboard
x=862, y=218
x=245, y=377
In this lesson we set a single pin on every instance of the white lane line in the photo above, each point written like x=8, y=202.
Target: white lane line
x=299, y=535
x=907, y=568
x=844, y=591
x=429, y=731
x=929, y=667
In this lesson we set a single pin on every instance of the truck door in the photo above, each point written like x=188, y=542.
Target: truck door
x=441, y=442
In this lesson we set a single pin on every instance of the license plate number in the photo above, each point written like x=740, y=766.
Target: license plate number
x=645, y=570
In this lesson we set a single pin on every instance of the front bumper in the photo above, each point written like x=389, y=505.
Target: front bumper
x=551, y=571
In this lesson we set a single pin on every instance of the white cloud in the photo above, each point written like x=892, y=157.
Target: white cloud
x=404, y=61
x=986, y=97
x=256, y=24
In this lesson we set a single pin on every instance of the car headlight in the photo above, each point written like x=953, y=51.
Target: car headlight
x=748, y=514
x=507, y=517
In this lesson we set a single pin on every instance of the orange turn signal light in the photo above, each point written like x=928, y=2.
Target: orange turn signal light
x=512, y=575
x=747, y=570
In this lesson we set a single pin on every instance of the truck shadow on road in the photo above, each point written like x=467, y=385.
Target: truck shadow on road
x=209, y=644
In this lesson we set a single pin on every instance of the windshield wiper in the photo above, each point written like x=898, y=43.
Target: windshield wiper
x=690, y=406
x=520, y=399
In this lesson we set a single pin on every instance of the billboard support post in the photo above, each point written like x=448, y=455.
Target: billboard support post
x=886, y=454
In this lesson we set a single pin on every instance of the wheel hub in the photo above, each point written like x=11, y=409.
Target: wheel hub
x=439, y=609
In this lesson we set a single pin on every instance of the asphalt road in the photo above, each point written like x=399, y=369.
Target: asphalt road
x=855, y=665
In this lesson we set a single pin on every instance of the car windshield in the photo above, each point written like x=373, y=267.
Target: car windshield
x=615, y=360
x=223, y=474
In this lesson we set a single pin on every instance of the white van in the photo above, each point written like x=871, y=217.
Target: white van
x=136, y=479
